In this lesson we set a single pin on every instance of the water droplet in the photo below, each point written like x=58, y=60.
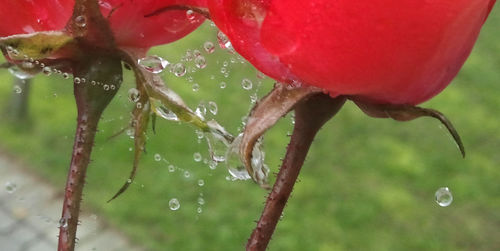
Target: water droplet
x=81, y=21
x=196, y=87
x=212, y=165
x=93, y=82
x=444, y=197
x=133, y=95
x=157, y=157
x=130, y=132
x=246, y=84
x=10, y=187
x=164, y=112
x=190, y=15
x=222, y=85
x=197, y=157
x=233, y=161
x=153, y=64
x=212, y=107
x=106, y=88
x=47, y=71
x=174, y=204
x=17, y=89
x=179, y=69
x=65, y=75
x=224, y=42
x=187, y=174
x=63, y=223
x=200, y=62
x=77, y=80
x=209, y=47
x=19, y=73
x=199, y=210
x=201, y=182
x=129, y=181
x=171, y=168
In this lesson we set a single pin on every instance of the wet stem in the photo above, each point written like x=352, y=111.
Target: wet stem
x=310, y=116
x=84, y=141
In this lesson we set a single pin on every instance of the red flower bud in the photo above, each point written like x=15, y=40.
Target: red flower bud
x=381, y=51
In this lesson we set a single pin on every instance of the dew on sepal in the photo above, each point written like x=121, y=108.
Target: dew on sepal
x=444, y=197
x=174, y=204
x=153, y=64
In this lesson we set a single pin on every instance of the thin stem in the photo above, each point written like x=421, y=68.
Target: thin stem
x=82, y=148
x=310, y=116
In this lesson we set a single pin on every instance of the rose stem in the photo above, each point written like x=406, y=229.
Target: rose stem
x=310, y=116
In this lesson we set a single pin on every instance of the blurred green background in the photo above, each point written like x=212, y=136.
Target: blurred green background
x=368, y=184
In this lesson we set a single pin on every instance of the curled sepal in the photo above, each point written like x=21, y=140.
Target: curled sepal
x=263, y=116
x=410, y=112
x=38, y=45
x=140, y=119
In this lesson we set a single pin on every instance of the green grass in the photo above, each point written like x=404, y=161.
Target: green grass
x=368, y=184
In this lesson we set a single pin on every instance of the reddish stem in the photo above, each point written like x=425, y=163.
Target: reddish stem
x=310, y=116
x=82, y=148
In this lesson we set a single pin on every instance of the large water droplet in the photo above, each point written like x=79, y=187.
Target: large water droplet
x=209, y=47
x=444, y=197
x=163, y=111
x=11, y=187
x=19, y=73
x=174, y=204
x=179, y=69
x=153, y=64
x=233, y=161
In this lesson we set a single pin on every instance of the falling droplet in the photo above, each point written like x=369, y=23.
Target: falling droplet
x=153, y=64
x=212, y=107
x=200, y=61
x=209, y=47
x=444, y=197
x=174, y=204
x=197, y=157
x=157, y=157
x=81, y=21
x=246, y=84
x=179, y=69
x=10, y=187
x=133, y=95
x=17, y=89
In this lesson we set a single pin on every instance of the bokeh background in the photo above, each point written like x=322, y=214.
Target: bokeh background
x=368, y=184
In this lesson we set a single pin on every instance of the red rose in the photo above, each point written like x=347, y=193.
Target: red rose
x=380, y=51
x=128, y=19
